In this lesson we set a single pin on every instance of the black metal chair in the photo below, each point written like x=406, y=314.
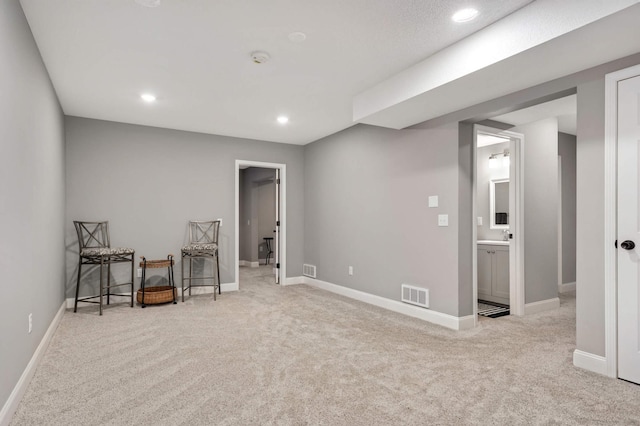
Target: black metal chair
x=267, y=243
x=203, y=244
x=95, y=249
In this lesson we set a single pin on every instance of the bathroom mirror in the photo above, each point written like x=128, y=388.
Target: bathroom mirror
x=499, y=203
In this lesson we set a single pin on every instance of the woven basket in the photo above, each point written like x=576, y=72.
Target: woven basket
x=157, y=294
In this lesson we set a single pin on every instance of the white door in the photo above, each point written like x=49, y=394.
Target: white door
x=629, y=229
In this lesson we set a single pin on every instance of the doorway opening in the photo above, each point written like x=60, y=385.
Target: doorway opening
x=260, y=209
x=498, y=284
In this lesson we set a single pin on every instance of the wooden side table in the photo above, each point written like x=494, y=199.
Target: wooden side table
x=157, y=294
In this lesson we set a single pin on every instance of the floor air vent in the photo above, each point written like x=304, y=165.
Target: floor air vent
x=415, y=295
x=309, y=270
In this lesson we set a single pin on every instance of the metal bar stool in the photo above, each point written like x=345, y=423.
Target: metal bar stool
x=267, y=242
x=203, y=244
x=95, y=249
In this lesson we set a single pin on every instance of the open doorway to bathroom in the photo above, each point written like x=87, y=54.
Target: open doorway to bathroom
x=498, y=280
x=547, y=187
x=260, y=224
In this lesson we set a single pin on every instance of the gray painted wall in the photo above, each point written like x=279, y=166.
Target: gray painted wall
x=149, y=182
x=540, y=209
x=366, y=204
x=485, y=175
x=590, y=336
x=32, y=192
x=567, y=152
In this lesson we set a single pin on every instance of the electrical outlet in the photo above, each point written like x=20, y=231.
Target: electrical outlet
x=350, y=270
x=220, y=219
x=139, y=272
x=30, y=323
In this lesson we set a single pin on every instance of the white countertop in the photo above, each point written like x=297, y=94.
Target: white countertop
x=494, y=242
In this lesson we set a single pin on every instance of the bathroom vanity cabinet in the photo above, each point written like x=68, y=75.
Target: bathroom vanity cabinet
x=493, y=273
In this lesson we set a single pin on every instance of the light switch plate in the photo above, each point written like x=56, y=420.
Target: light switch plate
x=433, y=201
x=443, y=220
x=479, y=220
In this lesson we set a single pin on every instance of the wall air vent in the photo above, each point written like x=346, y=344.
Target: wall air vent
x=309, y=270
x=415, y=295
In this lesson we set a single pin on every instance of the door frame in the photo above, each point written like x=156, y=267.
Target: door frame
x=283, y=214
x=611, y=214
x=516, y=249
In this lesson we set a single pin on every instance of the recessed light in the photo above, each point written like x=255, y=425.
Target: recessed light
x=465, y=15
x=283, y=119
x=297, y=37
x=148, y=3
x=148, y=97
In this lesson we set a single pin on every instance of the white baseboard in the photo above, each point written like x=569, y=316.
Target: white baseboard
x=294, y=280
x=566, y=287
x=590, y=362
x=445, y=320
x=11, y=405
x=541, y=306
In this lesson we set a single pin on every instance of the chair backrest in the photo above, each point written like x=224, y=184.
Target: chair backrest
x=203, y=231
x=92, y=234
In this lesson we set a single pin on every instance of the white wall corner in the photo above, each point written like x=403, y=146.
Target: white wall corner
x=541, y=306
x=590, y=362
x=445, y=320
x=566, y=287
x=12, y=403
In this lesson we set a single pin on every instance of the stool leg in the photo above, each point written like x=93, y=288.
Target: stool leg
x=132, y=286
x=218, y=271
x=173, y=283
x=101, y=283
x=190, y=274
x=182, y=276
x=75, y=306
x=109, y=282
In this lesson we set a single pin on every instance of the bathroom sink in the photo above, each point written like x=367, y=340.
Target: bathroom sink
x=494, y=242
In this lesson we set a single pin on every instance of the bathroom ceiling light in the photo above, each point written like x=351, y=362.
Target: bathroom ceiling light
x=283, y=119
x=465, y=15
x=493, y=161
x=148, y=97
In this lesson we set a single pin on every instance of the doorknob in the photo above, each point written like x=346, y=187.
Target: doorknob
x=628, y=245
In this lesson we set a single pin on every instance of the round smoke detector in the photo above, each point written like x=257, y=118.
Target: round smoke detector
x=260, y=57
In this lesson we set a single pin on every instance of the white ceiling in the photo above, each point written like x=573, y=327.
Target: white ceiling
x=195, y=56
x=564, y=109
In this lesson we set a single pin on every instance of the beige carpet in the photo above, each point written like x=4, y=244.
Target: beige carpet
x=298, y=355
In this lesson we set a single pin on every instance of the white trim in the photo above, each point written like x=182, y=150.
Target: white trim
x=294, y=280
x=445, y=320
x=567, y=287
x=283, y=214
x=560, y=260
x=541, y=306
x=610, y=215
x=248, y=263
x=590, y=362
x=13, y=401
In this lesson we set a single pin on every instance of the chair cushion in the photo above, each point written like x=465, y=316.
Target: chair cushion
x=106, y=251
x=200, y=247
